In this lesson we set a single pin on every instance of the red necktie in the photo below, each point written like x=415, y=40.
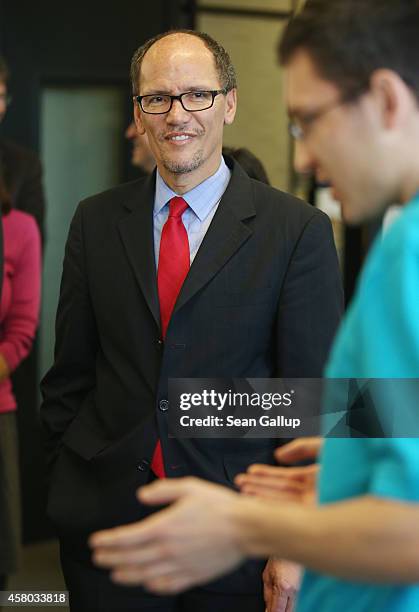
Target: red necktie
x=173, y=267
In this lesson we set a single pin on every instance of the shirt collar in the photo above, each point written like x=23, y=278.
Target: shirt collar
x=202, y=198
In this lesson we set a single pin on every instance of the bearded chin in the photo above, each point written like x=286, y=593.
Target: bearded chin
x=183, y=167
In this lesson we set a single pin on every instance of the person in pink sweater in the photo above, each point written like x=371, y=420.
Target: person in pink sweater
x=19, y=310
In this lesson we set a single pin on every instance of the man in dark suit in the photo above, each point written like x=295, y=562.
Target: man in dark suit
x=20, y=167
x=195, y=271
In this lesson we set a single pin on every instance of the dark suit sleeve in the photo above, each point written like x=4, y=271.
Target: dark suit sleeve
x=30, y=197
x=311, y=302
x=72, y=376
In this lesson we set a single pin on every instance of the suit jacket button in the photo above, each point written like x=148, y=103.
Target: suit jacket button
x=143, y=465
x=164, y=405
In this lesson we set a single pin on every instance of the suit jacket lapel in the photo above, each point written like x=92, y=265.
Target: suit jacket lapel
x=136, y=230
x=226, y=234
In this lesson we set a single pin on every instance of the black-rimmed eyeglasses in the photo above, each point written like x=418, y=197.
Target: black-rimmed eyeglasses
x=192, y=101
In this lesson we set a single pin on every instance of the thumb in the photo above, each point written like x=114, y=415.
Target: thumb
x=165, y=491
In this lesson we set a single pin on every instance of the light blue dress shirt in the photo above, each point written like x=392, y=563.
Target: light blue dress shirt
x=203, y=201
x=379, y=338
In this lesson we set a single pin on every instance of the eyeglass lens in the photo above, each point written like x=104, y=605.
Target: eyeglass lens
x=191, y=101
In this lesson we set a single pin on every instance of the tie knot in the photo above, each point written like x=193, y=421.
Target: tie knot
x=177, y=207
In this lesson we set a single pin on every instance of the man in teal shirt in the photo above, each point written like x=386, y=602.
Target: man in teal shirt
x=352, y=86
x=379, y=338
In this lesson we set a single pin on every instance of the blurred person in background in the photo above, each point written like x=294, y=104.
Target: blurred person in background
x=141, y=156
x=352, y=85
x=249, y=162
x=19, y=310
x=21, y=169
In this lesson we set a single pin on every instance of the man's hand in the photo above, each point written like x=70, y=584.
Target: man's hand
x=280, y=484
x=190, y=543
x=297, y=484
x=281, y=582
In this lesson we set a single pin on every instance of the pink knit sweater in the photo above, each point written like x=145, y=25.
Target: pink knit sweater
x=20, y=296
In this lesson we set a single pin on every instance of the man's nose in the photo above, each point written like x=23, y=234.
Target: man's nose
x=177, y=114
x=304, y=161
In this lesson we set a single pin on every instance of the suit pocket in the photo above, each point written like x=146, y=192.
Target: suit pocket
x=107, y=457
x=83, y=441
x=94, y=480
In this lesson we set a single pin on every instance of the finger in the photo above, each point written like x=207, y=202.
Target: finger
x=137, y=533
x=299, y=490
x=304, y=471
x=133, y=576
x=276, y=484
x=272, y=471
x=238, y=479
x=290, y=473
x=299, y=450
x=169, y=585
x=111, y=557
x=141, y=574
x=166, y=491
x=290, y=605
x=301, y=487
x=279, y=601
x=262, y=468
x=122, y=537
x=267, y=594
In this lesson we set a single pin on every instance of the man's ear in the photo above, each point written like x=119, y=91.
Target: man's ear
x=231, y=106
x=392, y=96
x=138, y=118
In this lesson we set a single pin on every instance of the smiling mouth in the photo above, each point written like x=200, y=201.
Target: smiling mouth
x=179, y=137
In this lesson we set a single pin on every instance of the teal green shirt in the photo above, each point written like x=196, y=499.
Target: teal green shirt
x=379, y=338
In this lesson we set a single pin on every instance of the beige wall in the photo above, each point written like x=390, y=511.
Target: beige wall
x=261, y=5
x=261, y=121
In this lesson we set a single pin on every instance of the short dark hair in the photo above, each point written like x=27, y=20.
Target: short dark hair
x=249, y=162
x=4, y=70
x=224, y=67
x=349, y=39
